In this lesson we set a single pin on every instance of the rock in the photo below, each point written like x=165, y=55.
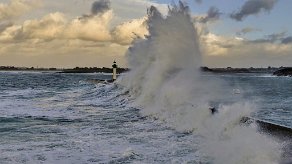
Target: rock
x=284, y=72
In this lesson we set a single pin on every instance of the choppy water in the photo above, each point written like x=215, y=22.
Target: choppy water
x=271, y=94
x=65, y=118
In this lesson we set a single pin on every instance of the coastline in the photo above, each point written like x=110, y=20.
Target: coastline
x=277, y=71
x=67, y=70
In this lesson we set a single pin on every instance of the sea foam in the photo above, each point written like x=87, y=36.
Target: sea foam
x=165, y=83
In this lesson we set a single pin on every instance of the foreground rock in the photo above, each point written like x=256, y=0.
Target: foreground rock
x=284, y=72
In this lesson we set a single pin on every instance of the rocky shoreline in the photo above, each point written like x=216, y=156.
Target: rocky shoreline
x=284, y=72
x=240, y=70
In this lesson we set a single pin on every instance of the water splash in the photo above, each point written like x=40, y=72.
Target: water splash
x=165, y=82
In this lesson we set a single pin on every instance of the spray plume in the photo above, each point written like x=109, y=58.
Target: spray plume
x=165, y=83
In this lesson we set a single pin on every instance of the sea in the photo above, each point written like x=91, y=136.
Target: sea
x=158, y=112
x=49, y=117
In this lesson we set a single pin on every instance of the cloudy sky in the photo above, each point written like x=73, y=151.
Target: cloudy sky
x=69, y=33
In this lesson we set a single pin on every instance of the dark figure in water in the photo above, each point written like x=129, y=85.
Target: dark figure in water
x=213, y=110
x=281, y=132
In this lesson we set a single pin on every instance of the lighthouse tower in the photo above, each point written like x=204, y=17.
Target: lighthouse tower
x=115, y=66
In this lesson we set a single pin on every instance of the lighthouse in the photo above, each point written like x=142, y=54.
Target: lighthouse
x=115, y=66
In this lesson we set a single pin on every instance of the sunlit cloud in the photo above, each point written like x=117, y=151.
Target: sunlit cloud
x=106, y=30
x=126, y=32
x=95, y=28
x=238, y=52
x=16, y=8
x=56, y=35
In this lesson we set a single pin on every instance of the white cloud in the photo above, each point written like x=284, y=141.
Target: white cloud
x=61, y=53
x=58, y=25
x=49, y=27
x=220, y=51
x=215, y=45
x=91, y=28
x=126, y=32
x=94, y=28
x=55, y=38
x=17, y=8
x=63, y=39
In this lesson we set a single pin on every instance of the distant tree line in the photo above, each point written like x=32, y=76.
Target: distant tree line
x=93, y=70
x=12, y=68
x=72, y=70
x=269, y=69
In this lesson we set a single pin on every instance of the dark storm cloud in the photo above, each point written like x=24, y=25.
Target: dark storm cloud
x=276, y=37
x=212, y=15
x=100, y=6
x=252, y=7
x=199, y=1
x=247, y=30
x=4, y=25
x=287, y=40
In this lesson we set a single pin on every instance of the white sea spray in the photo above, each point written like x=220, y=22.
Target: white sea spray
x=165, y=83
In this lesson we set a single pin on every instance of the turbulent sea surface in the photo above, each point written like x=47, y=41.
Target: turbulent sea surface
x=66, y=118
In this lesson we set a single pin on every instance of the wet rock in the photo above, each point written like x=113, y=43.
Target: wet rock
x=284, y=72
